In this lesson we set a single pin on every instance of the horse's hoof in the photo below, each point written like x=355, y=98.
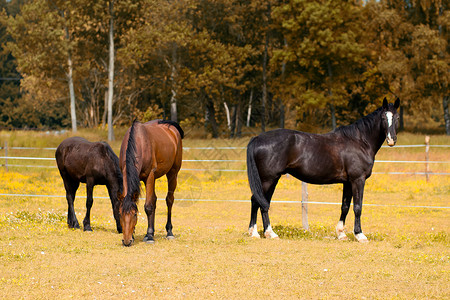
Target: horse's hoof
x=149, y=240
x=342, y=237
x=87, y=228
x=360, y=237
x=271, y=235
x=253, y=232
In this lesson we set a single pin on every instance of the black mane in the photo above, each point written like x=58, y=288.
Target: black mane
x=175, y=124
x=362, y=127
x=133, y=181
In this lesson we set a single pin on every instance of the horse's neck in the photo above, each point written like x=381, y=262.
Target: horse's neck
x=375, y=138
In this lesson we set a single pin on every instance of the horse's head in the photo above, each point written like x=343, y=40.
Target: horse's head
x=128, y=219
x=390, y=121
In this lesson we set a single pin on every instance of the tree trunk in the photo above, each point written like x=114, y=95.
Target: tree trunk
x=211, y=117
x=111, y=72
x=173, y=99
x=402, y=120
x=227, y=112
x=264, y=86
x=105, y=110
x=73, y=114
x=249, y=112
x=445, y=101
x=281, y=114
x=333, y=116
x=330, y=94
x=238, y=119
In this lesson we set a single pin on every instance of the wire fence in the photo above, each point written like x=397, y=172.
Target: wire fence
x=216, y=168
x=216, y=162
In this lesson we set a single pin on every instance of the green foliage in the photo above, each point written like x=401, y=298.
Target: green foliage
x=326, y=59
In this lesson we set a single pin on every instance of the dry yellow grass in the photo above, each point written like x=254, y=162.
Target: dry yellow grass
x=212, y=257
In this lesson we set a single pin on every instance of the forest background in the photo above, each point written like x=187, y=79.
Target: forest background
x=223, y=65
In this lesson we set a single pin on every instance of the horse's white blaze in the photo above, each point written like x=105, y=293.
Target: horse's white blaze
x=360, y=237
x=269, y=233
x=389, y=117
x=253, y=231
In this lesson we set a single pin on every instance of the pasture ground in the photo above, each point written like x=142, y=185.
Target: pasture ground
x=212, y=256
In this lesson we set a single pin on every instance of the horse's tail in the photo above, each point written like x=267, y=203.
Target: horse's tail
x=253, y=177
x=175, y=124
x=133, y=181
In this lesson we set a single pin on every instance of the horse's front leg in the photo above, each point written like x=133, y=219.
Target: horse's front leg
x=171, y=186
x=150, y=208
x=71, y=190
x=89, y=202
x=346, y=200
x=358, y=192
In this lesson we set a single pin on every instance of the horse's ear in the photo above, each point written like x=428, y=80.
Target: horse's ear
x=385, y=103
x=397, y=103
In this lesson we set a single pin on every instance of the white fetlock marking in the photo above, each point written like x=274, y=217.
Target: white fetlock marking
x=360, y=237
x=340, y=231
x=269, y=234
x=253, y=231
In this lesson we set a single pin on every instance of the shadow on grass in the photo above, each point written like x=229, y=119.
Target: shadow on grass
x=317, y=232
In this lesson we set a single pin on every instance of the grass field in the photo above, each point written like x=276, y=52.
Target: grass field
x=408, y=255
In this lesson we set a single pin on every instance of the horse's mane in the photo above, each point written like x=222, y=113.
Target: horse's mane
x=361, y=128
x=173, y=123
x=115, y=160
x=133, y=181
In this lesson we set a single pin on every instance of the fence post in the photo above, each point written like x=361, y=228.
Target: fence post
x=6, y=156
x=305, y=206
x=427, y=157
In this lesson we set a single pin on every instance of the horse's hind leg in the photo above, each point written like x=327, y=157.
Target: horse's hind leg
x=171, y=186
x=252, y=228
x=268, y=188
x=71, y=189
x=89, y=202
x=346, y=200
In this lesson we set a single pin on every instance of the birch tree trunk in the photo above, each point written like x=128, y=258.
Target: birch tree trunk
x=73, y=114
x=249, y=112
x=227, y=112
x=111, y=72
x=173, y=99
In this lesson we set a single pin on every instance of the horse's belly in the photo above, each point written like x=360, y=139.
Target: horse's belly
x=315, y=176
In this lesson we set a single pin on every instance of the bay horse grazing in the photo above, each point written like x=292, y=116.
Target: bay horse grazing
x=149, y=151
x=345, y=155
x=96, y=163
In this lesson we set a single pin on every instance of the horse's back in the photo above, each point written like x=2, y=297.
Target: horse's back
x=158, y=145
x=80, y=158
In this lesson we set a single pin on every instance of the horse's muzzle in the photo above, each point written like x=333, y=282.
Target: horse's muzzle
x=127, y=244
x=390, y=143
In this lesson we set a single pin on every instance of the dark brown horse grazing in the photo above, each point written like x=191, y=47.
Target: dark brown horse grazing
x=149, y=151
x=94, y=164
x=345, y=155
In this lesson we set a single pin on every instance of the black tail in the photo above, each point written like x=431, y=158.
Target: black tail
x=175, y=124
x=253, y=178
x=133, y=181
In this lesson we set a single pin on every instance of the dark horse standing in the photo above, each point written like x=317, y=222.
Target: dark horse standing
x=149, y=151
x=94, y=164
x=345, y=155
